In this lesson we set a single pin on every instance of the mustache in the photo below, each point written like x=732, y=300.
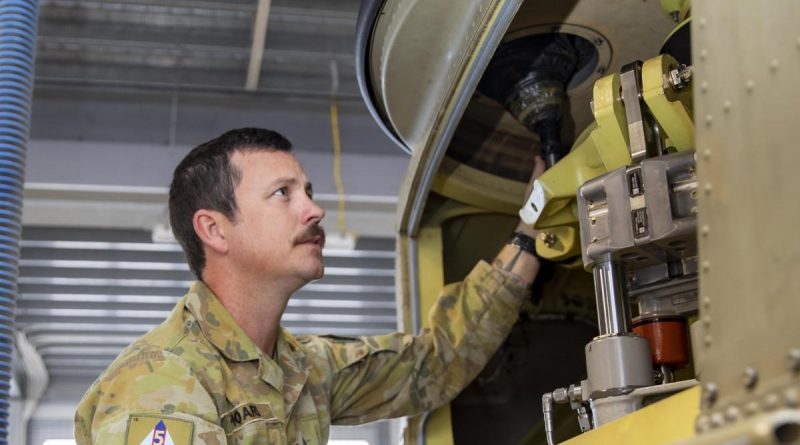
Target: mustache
x=310, y=233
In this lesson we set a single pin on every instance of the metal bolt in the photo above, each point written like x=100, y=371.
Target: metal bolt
x=560, y=395
x=732, y=413
x=548, y=239
x=717, y=420
x=793, y=360
x=680, y=77
x=710, y=394
x=749, y=378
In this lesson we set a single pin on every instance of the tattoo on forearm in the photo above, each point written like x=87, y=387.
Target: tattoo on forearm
x=513, y=261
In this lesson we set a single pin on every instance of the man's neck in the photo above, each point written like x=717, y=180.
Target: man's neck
x=255, y=305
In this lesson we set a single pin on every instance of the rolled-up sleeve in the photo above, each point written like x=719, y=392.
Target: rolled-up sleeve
x=400, y=374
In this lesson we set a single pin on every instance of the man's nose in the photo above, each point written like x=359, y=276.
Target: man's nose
x=314, y=212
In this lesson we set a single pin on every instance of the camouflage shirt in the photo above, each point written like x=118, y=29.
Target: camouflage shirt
x=198, y=378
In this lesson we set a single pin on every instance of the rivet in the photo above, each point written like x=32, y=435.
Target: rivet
x=727, y=106
x=707, y=341
x=703, y=54
x=706, y=266
x=771, y=401
x=706, y=302
x=749, y=85
x=717, y=420
x=704, y=87
x=732, y=413
x=774, y=65
x=710, y=393
x=751, y=408
x=707, y=153
x=703, y=22
x=705, y=230
x=792, y=398
x=707, y=188
x=707, y=320
x=749, y=378
x=703, y=424
x=709, y=119
x=694, y=210
x=793, y=360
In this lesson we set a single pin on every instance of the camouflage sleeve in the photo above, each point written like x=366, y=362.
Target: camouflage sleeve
x=400, y=375
x=145, y=392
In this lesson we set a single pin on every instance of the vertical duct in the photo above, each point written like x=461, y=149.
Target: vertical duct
x=18, y=21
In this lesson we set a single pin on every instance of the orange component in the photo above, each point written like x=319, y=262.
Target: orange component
x=667, y=338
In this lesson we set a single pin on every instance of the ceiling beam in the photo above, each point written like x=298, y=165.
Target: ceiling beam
x=257, y=48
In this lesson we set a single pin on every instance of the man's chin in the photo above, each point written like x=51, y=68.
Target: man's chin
x=316, y=273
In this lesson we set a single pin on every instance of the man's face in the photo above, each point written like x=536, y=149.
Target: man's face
x=276, y=232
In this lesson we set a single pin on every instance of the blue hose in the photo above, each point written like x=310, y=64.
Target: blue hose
x=18, y=21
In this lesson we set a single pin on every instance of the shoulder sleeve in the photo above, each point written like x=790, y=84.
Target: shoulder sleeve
x=399, y=374
x=144, y=388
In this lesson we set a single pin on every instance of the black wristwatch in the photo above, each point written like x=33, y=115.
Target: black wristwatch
x=524, y=243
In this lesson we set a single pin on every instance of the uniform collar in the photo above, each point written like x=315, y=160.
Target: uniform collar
x=287, y=373
x=218, y=325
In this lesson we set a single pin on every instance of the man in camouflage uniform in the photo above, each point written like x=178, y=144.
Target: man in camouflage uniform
x=221, y=370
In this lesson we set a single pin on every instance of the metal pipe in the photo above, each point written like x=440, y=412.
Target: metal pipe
x=547, y=410
x=18, y=22
x=613, y=314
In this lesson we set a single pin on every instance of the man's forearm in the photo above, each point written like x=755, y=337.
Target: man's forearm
x=518, y=262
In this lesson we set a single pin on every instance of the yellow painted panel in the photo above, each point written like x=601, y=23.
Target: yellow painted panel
x=663, y=422
x=438, y=429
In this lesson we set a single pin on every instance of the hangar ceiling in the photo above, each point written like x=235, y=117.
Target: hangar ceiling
x=197, y=45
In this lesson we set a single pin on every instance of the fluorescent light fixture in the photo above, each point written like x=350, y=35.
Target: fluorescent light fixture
x=59, y=442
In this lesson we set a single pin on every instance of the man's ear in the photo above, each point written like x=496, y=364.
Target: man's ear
x=210, y=228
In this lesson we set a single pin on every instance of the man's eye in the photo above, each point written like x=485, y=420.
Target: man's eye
x=283, y=191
